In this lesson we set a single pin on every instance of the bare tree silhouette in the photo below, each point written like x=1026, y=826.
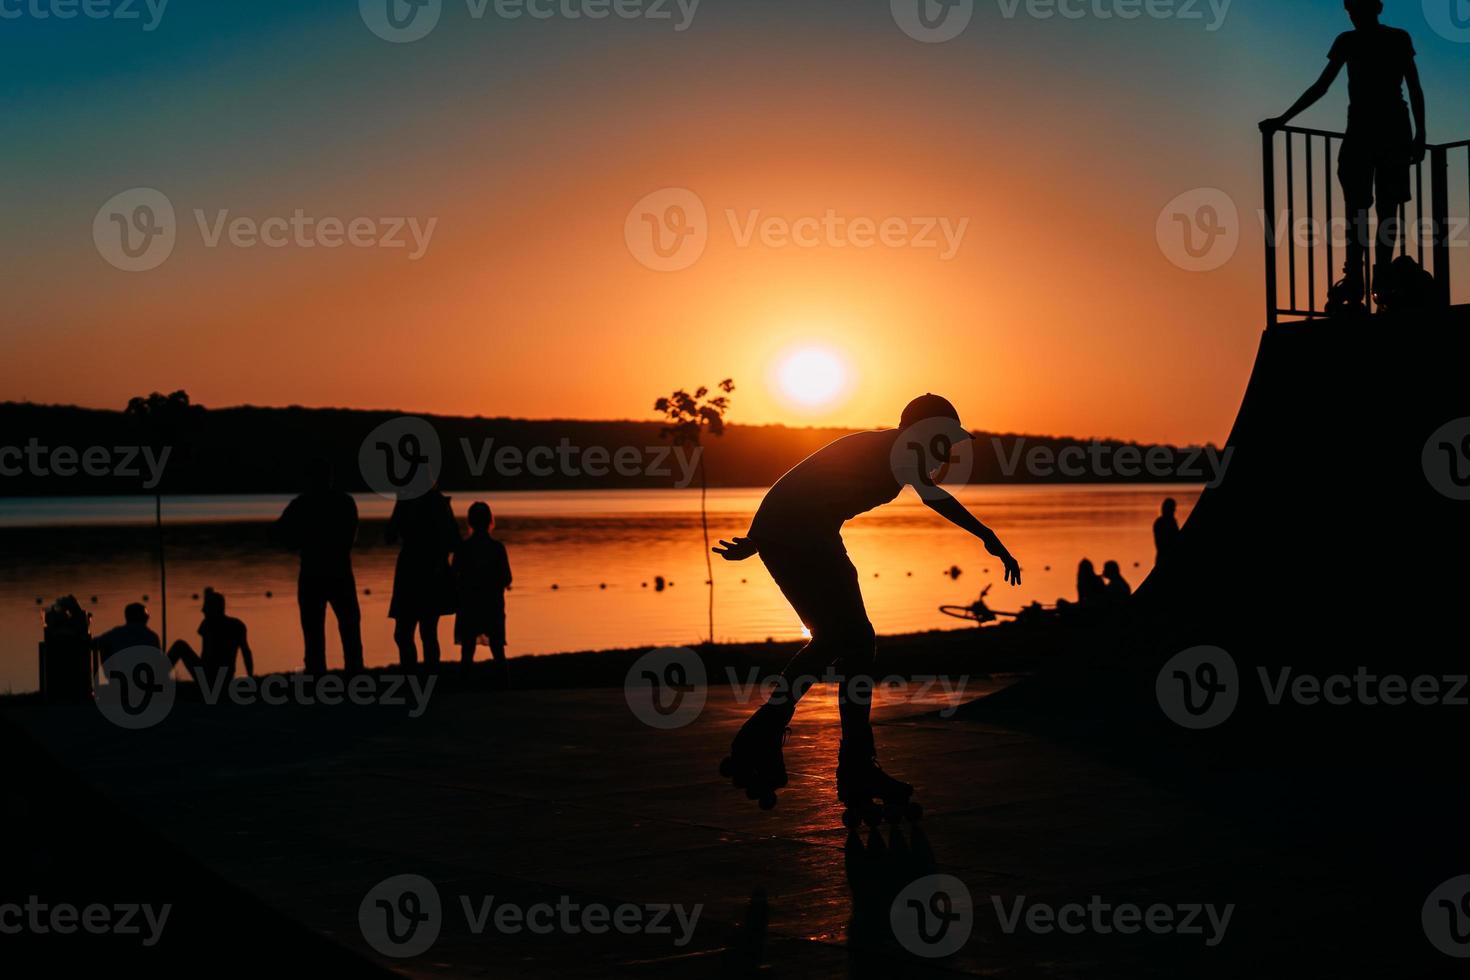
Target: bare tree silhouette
x=687, y=418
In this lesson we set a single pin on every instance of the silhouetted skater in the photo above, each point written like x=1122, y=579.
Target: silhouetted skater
x=134, y=632
x=1116, y=588
x=321, y=524
x=1379, y=146
x=797, y=533
x=1091, y=589
x=423, y=584
x=221, y=639
x=1166, y=532
x=481, y=574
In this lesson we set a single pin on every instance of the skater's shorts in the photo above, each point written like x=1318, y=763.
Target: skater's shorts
x=1374, y=160
x=821, y=583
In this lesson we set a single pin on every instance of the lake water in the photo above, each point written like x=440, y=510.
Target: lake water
x=602, y=551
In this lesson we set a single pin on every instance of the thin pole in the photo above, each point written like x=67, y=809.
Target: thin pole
x=162, y=570
x=1268, y=174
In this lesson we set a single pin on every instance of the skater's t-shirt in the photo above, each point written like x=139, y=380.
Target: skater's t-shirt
x=817, y=496
x=1376, y=59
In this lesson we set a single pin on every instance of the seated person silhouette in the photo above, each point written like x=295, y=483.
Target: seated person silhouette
x=482, y=576
x=1379, y=146
x=1091, y=590
x=134, y=632
x=797, y=531
x=1166, y=532
x=1116, y=589
x=221, y=639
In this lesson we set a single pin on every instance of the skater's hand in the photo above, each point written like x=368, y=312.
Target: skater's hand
x=1416, y=155
x=737, y=550
x=1012, y=567
x=1272, y=124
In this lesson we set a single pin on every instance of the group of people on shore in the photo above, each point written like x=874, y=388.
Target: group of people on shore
x=439, y=572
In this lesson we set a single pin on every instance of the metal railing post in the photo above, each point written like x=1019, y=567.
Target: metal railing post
x=1439, y=191
x=1268, y=175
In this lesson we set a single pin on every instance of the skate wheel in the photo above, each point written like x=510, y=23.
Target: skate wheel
x=751, y=793
x=727, y=767
x=768, y=802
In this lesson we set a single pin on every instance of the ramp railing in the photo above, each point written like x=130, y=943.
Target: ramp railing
x=1306, y=242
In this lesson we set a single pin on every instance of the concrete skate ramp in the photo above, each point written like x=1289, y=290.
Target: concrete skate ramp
x=1325, y=549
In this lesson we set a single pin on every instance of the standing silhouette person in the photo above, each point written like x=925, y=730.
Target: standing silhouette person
x=423, y=584
x=321, y=524
x=482, y=576
x=797, y=531
x=1166, y=532
x=222, y=638
x=1379, y=146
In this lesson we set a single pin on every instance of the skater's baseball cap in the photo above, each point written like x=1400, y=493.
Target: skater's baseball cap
x=936, y=412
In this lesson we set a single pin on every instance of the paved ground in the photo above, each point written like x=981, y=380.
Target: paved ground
x=548, y=796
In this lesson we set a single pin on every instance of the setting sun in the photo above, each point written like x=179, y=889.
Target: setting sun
x=812, y=377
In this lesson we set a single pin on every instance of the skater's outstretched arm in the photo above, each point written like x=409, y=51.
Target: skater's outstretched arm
x=1309, y=98
x=953, y=511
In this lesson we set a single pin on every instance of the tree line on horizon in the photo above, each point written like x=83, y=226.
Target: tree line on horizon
x=250, y=449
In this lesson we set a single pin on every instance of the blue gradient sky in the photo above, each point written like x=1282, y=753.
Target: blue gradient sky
x=529, y=140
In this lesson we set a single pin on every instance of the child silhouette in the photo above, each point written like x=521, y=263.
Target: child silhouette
x=482, y=574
